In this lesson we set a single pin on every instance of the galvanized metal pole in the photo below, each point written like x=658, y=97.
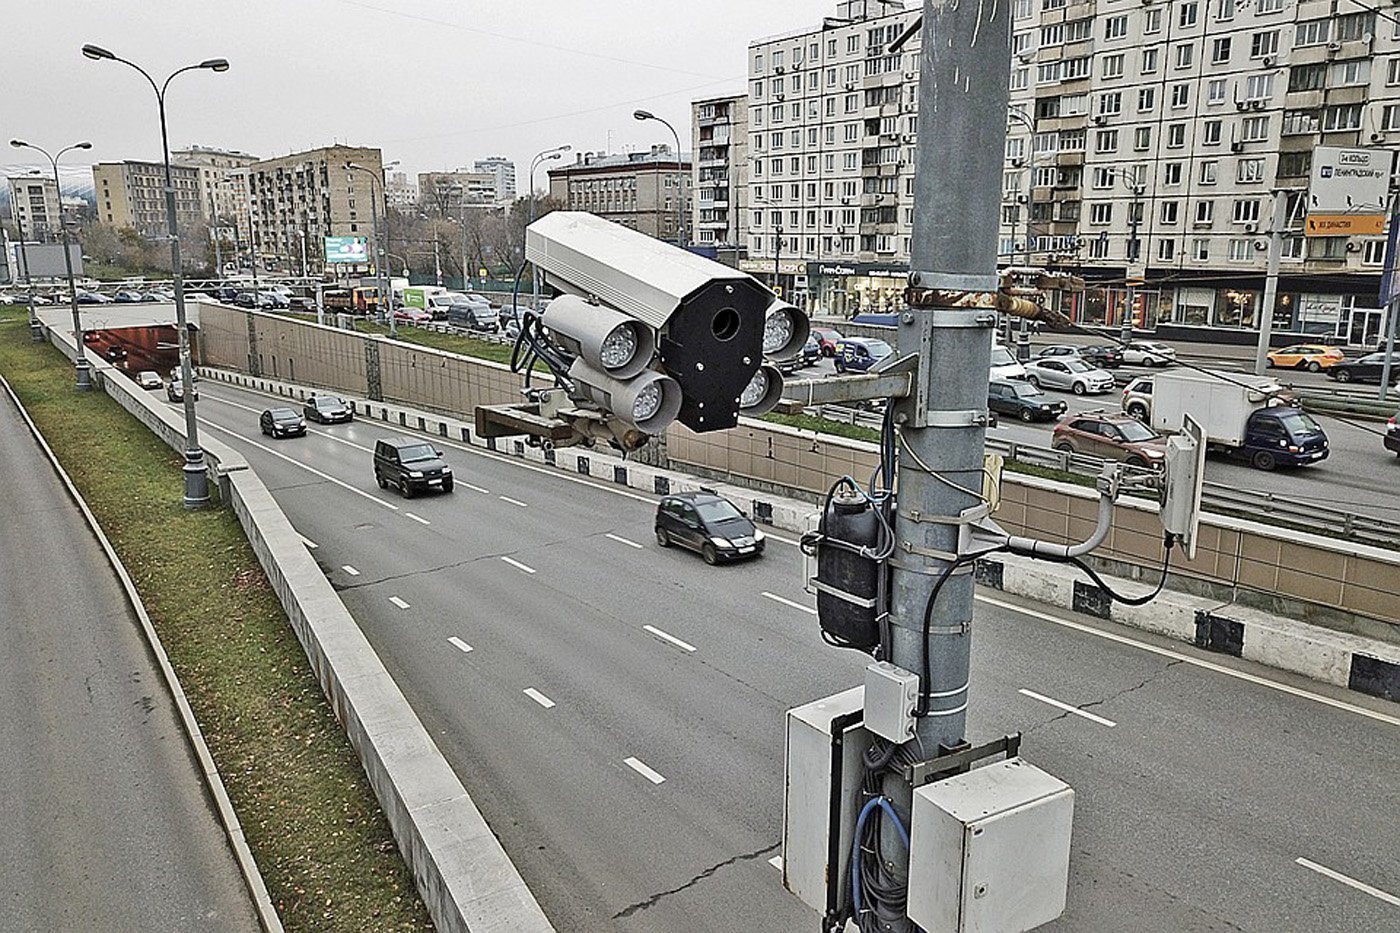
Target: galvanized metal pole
x=36, y=331
x=963, y=93
x=1266, y=312
x=1391, y=296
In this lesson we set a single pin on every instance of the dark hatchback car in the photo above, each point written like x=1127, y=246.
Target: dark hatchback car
x=811, y=355
x=412, y=466
x=1022, y=400
x=327, y=409
x=709, y=524
x=1368, y=368
x=1102, y=356
x=282, y=422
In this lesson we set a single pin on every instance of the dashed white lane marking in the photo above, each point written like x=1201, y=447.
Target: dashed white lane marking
x=518, y=565
x=613, y=537
x=777, y=862
x=1192, y=661
x=1067, y=708
x=787, y=602
x=474, y=488
x=456, y=642
x=684, y=646
x=398, y=602
x=513, y=501
x=312, y=470
x=644, y=771
x=421, y=521
x=539, y=698
x=350, y=570
x=1361, y=886
x=311, y=545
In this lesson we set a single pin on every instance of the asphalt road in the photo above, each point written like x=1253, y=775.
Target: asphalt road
x=104, y=822
x=635, y=774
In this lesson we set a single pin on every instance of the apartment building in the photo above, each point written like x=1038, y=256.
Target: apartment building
x=35, y=204
x=218, y=187
x=449, y=192
x=1151, y=138
x=831, y=127
x=504, y=171
x=132, y=194
x=1145, y=142
x=636, y=189
x=720, y=178
x=299, y=199
x=399, y=191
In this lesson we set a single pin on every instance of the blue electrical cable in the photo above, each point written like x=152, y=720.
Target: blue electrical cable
x=872, y=803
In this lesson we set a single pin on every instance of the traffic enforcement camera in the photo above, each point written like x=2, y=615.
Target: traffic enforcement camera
x=652, y=333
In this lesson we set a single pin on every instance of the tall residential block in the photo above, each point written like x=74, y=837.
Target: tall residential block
x=34, y=203
x=132, y=194
x=720, y=177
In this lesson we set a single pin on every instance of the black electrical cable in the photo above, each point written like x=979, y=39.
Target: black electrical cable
x=1143, y=600
x=883, y=895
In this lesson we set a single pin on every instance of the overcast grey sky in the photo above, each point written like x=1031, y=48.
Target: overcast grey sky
x=434, y=83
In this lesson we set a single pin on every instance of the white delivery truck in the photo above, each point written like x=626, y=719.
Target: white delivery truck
x=1243, y=416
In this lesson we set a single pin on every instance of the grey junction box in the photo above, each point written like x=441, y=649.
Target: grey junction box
x=989, y=850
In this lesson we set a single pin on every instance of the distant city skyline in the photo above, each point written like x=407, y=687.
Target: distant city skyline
x=391, y=74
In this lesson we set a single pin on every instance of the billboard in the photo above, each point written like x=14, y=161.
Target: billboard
x=350, y=250
x=1347, y=191
x=44, y=260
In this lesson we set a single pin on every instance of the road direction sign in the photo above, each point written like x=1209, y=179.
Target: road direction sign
x=1345, y=225
x=1349, y=181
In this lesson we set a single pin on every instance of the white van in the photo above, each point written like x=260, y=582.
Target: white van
x=1004, y=365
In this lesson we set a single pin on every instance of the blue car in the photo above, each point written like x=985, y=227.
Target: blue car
x=860, y=354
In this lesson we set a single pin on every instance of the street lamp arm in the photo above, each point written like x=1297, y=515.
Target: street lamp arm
x=160, y=94
x=178, y=71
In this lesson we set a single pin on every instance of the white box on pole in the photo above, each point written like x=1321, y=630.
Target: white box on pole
x=989, y=850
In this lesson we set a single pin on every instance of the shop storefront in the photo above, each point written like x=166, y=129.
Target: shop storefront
x=845, y=289
x=789, y=279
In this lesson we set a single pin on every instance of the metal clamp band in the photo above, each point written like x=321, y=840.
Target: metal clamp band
x=954, y=282
x=842, y=594
x=957, y=418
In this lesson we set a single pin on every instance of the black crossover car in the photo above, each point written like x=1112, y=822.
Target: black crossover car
x=282, y=422
x=1022, y=400
x=411, y=466
x=327, y=409
x=709, y=524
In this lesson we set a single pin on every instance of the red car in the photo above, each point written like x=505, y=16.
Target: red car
x=828, y=339
x=413, y=315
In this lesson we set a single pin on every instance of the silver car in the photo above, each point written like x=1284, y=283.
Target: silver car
x=1069, y=373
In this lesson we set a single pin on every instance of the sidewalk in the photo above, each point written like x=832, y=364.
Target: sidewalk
x=107, y=822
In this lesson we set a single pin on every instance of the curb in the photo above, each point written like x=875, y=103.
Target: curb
x=1364, y=665
x=214, y=784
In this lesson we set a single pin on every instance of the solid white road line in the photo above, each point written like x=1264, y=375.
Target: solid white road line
x=1194, y=662
x=518, y=565
x=1067, y=708
x=312, y=470
x=643, y=770
x=777, y=862
x=1362, y=886
x=787, y=602
x=684, y=646
x=473, y=488
x=350, y=570
x=311, y=545
x=421, y=521
x=513, y=501
x=539, y=698
x=456, y=642
x=398, y=602
x=613, y=537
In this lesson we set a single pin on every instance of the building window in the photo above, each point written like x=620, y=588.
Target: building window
x=1249, y=171
x=1103, y=179
x=1259, y=87
x=1205, y=213
x=1188, y=14
x=1181, y=96
x=1307, y=77
x=1106, y=141
x=1147, y=99
x=1246, y=211
x=1353, y=26
x=1268, y=6
x=1294, y=164
x=1256, y=129
x=1240, y=250
x=1200, y=250
x=1313, y=32
x=1263, y=43
x=1373, y=253
x=1142, y=138
x=1342, y=117
x=1149, y=61
x=1300, y=122
x=1390, y=117
x=1356, y=71
x=1170, y=211
x=1151, y=21
x=1166, y=250
x=1115, y=27
x=1111, y=104
x=1327, y=247
x=1171, y=174
x=1176, y=135
x=1101, y=214
x=1392, y=71
x=1113, y=66
x=1215, y=91
x=1220, y=51
x=1185, y=55
x=1209, y=172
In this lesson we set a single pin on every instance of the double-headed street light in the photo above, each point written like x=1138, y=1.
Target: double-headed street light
x=546, y=155
x=645, y=115
x=80, y=363
x=381, y=245
x=196, y=476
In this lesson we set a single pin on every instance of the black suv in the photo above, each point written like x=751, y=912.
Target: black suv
x=327, y=409
x=707, y=523
x=411, y=466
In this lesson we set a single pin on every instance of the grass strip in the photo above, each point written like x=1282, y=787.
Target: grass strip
x=307, y=809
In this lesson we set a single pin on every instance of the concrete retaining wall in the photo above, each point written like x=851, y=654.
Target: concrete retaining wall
x=465, y=877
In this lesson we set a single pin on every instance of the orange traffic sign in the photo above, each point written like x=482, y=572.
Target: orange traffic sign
x=1345, y=225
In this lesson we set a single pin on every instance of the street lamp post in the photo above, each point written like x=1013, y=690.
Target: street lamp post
x=645, y=115
x=545, y=155
x=80, y=364
x=36, y=331
x=1133, y=252
x=1023, y=342
x=196, y=476
x=381, y=246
